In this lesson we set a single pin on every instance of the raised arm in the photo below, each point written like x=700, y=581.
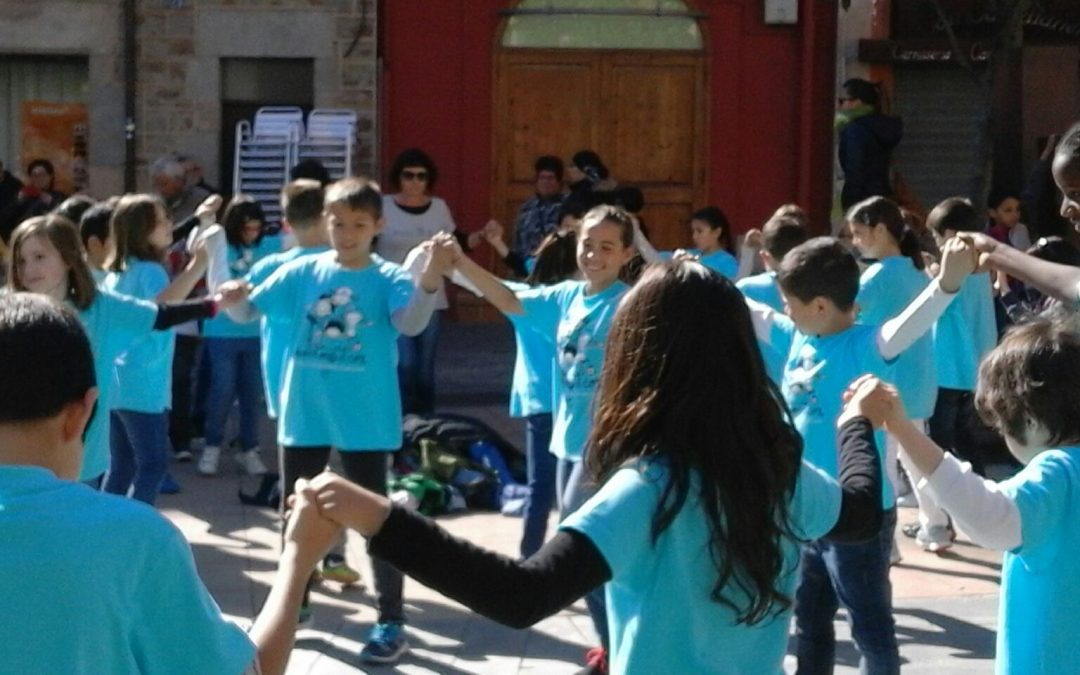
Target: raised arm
x=490, y=286
x=1059, y=281
x=901, y=331
x=184, y=283
x=648, y=252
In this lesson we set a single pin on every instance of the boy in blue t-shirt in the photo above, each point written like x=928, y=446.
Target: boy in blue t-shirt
x=128, y=556
x=345, y=309
x=1028, y=390
x=827, y=350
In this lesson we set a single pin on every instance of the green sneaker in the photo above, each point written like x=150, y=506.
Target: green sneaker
x=335, y=569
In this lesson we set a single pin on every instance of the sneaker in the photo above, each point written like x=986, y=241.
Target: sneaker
x=337, y=570
x=208, y=463
x=935, y=538
x=306, y=619
x=251, y=461
x=595, y=662
x=169, y=486
x=183, y=456
x=911, y=530
x=386, y=643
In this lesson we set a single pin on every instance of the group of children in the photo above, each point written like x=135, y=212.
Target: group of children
x=676, y=510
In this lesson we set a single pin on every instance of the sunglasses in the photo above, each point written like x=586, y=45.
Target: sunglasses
x=414, y=175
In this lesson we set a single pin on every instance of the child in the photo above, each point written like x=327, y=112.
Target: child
x=780, y=235
x=88, y=611
x=94, y=231
x=530, y=391
x=695, y=531
x=576, y=315
x=1003, y=214
x=711, y=233
x=819, y=281
x=1027, y=390
x=233, y=348
x=962, y=336
x=571, y=211
x=886, y=287
x=46, y=258
x=138, y=440
x=346, y=308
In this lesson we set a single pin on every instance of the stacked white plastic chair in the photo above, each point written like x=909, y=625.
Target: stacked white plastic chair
x=265, y=151
x=330, y=139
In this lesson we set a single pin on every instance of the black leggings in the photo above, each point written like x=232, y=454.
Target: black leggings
x=366, y=469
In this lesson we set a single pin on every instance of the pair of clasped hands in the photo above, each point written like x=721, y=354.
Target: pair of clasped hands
x=323, y=505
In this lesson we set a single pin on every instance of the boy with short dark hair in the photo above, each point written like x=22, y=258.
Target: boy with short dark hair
x=94, y=232
x=826, y=350
x=92, y=611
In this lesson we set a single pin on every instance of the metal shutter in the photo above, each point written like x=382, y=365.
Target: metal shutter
x=940, y=107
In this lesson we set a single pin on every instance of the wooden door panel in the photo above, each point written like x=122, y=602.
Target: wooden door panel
x=652, y=131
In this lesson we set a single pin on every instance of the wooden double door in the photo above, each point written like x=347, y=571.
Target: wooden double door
x=643, y=112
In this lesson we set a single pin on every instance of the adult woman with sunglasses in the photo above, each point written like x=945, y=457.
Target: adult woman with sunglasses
x=413, y=215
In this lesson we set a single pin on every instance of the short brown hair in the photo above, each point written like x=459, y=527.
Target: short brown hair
x=132, y=222
x=64, y=236
x=358, y=194
x=1034, y=375
x=302, y=203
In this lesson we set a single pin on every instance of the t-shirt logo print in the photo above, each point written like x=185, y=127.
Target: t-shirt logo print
x=242, y=264
x=800, y=387
x=579, y=371
x=334, y=330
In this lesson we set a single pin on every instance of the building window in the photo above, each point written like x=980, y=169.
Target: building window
x=603, y=24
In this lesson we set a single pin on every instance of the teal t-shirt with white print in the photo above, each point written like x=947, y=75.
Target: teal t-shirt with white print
x=275, y=334
x=340, y=384
x=661, y=616
x=579, y=323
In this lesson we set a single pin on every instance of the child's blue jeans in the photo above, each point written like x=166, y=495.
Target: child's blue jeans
x=857, y=577
x=541, y=467
x=138, y=444
x=416, y=368
x=235, y=375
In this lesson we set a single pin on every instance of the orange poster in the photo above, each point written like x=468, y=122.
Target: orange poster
x=57, y=132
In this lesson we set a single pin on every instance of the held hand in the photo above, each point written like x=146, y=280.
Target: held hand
x=871, y=398
x=983, y=244
x=753, y=239
x=308, y=530
x=958, y=260
x=207, y=211
x=493, y=231
x=349, y=504
x=232, y=292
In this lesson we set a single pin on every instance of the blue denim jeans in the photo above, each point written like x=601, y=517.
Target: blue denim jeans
x=541, y=474
x=235, y=375
x=574, y=489
x=139, y=444
x=856, y=576
x=416, y=368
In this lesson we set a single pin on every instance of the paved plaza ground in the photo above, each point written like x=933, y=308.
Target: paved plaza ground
x=945, y=604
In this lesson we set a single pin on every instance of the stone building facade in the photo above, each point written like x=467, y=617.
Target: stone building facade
x=183, y=48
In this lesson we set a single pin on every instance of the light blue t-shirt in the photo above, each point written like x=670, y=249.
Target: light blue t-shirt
x=340, y=384
x=1039, y=612
x=534, y=365
x=114, y=600
x=964, y=334
x=579, y=324
x=818, y=371
x=242, y=260
x=661, y=618
x=275, y=334
x=719, y=261
x=113, y=323
x=763, y=288
x=886, y=288
x=144, y=371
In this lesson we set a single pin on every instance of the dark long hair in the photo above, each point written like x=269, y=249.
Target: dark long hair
x=556, y=259
x=683, y=381
x=876, y=210
x=240, y=210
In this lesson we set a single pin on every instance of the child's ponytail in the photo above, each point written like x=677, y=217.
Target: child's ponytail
x=909, y=246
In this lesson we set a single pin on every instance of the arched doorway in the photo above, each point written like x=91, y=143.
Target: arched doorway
x=625, y=78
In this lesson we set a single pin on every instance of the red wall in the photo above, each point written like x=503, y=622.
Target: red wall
x=771, y=95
